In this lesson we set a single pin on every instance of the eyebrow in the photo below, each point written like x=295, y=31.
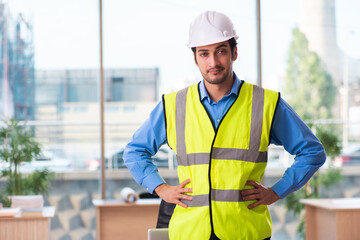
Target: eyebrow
x=205, y=50
x=222, y=45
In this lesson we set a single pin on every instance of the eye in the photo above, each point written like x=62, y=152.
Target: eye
x=221, y=51
x=203, y=54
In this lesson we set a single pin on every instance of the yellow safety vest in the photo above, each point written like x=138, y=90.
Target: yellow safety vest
x=219, y=162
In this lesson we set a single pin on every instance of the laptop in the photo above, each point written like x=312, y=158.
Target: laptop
x=158, y=234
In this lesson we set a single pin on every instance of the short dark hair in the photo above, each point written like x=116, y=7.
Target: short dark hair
x=232, y=42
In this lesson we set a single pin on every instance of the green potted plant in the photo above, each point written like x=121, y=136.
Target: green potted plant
x=18, y=146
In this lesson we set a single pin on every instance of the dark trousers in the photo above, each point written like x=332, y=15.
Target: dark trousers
x=165, y=212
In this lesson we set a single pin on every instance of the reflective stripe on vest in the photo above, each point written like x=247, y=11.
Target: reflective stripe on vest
x=216, y=195
x=222, y=153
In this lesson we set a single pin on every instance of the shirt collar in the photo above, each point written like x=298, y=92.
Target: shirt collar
x=234, y=90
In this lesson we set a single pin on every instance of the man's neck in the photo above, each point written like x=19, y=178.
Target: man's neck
x=218, y=91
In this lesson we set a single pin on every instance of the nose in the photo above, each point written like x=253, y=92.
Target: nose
x=213, y=60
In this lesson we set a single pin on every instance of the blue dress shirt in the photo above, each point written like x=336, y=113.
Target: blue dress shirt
x=288, y=130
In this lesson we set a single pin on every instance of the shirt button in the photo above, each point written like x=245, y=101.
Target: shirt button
x=218, y=120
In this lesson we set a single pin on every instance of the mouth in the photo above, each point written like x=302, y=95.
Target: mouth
x=215, y=70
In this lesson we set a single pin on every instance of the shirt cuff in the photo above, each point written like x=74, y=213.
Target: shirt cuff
x=151, y=181
x=281, y=188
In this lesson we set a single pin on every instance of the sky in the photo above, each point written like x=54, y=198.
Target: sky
x=144, y=33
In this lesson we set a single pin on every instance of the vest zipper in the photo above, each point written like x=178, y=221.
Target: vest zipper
x=213, y=235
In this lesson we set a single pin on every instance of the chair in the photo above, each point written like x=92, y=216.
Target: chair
x=165, y=212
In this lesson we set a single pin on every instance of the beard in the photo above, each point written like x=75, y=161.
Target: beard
x=219, y=78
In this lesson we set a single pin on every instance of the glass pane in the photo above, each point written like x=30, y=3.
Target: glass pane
x=49, y=80
x=311, y=55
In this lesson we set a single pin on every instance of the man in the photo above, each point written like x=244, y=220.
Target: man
x=220, y=130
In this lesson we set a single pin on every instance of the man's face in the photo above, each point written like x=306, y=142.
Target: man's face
x=215, y=62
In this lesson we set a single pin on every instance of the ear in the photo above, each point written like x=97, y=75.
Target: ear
x=195, y=59
x=235, y=54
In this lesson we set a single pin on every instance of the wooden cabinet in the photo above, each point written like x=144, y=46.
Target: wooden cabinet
x=118, y=220
x=332, y=218
x=29, y=228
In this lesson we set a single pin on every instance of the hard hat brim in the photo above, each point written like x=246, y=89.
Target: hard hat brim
x=212, y=41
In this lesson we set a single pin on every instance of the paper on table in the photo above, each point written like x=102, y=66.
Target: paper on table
x=129, y=195
x=30, y=201
x=32, y=212
x=9, y=212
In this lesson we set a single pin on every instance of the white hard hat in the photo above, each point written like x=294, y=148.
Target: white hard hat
x=209, y=28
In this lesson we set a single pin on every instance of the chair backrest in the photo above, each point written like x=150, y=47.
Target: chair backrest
x=165, y=212
x=158, y=234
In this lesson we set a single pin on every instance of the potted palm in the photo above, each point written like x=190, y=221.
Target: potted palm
x=18, y=146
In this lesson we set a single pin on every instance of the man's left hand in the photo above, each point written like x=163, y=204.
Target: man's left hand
x=262, y=194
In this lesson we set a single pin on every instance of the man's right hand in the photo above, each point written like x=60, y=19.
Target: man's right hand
x=173, y=194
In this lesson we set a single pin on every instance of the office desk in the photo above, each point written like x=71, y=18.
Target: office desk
x=29, y=228
x=118, y=220
x=332, y=218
